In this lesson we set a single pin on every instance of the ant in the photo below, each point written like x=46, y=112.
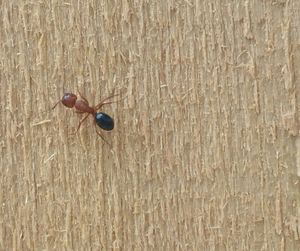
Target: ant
x=82, y=106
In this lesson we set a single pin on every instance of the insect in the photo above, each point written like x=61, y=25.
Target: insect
x=103, y=120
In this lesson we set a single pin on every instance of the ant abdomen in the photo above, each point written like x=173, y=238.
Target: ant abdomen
x=104, y=121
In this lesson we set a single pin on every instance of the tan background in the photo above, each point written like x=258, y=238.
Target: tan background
x=206, y=145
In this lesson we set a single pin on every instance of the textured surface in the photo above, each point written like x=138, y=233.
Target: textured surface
x=206, y=144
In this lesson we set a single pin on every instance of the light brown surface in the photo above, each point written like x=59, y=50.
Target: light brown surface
x=206, y=145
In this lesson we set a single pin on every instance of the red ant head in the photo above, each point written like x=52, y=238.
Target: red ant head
x=69, y=100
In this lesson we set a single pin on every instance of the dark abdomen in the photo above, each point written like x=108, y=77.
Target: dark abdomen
x=104, y=121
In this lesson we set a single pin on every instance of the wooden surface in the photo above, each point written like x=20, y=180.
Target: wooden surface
x=205, y=153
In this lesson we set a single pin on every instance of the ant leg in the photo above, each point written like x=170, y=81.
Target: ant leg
x=81, y=121
x=97, y=107
x=56, y=104
x=108, y=98
x=101, y=135
x=82, y=97
x=105, y=103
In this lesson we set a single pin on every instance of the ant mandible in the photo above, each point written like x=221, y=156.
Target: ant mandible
x=102, y=119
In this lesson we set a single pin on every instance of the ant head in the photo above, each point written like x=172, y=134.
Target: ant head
x=69, y=100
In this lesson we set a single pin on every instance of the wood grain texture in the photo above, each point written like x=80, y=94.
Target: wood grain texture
x=205, y=153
